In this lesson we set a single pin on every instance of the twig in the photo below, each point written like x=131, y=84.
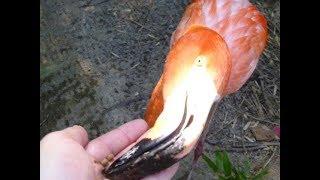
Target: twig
x=135, y=66
x=115, y=55
x=275, y=143
x=43, y=122
x=244, y=147
x=152, y=36
x=230, y=149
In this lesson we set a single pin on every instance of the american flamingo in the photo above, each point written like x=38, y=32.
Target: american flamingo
x=213, y=52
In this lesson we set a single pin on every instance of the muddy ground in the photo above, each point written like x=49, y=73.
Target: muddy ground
x=100, y=60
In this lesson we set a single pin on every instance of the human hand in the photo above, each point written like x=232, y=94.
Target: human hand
x=68, y=154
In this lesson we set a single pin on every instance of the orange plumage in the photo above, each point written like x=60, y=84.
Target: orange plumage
x=213, y=52
x=242, y=27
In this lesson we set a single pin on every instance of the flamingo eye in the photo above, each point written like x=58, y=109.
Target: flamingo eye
x=201, y=61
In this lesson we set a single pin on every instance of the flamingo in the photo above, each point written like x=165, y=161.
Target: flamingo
x=213, y=51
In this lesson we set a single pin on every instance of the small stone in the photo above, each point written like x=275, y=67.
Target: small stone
x=263, y=133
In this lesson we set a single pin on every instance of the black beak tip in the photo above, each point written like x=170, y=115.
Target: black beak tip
x=140, y=168
x=150, y=162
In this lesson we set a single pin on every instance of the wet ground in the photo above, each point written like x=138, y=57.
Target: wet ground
x=100, y=60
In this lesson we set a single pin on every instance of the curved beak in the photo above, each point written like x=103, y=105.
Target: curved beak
x=175, y=133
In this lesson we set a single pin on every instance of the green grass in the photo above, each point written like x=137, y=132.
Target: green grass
x=222, y=167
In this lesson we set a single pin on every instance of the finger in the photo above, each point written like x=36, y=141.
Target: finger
x=77, y=133
x=166, y=174
x=116, y=140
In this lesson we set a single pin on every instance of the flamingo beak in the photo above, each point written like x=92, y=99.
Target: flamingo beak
x=150, y=155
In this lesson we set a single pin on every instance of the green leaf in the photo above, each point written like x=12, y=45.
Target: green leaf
x=241, y=176
x=210, y=163
x=225, y=170
x=219, y=161
x=260, y=175
x=227, y=166
x=222, y=178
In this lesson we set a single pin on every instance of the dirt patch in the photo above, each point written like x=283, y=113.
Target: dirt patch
x=101, y=59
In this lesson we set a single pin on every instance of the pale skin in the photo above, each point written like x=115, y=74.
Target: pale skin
x=68, y=154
